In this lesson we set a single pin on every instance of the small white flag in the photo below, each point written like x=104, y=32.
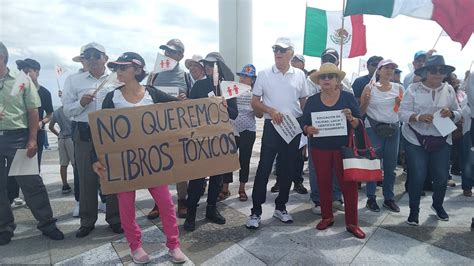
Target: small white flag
x=362, y=65
x=59, y=71
x=215, y=75
x=164, y=63
x=231, y=89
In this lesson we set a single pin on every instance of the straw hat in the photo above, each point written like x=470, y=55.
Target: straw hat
x=327, y=68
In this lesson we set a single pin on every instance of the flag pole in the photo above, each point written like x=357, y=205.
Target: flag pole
x=437, y=39
x=342, y=37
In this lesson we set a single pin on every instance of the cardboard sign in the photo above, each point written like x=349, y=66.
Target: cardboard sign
x=289, y=128
x=163, y=143
x=164, y=63
x=330, y=123
x=231, y=89
x=173, y=91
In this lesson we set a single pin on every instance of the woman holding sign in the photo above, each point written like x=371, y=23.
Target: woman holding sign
x=380, y=102
x=428, y=108
x=130, y=71
x=326, y=151
x=246, y=126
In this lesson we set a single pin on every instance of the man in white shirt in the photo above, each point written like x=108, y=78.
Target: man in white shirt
x=80, y=97
x=280, y=89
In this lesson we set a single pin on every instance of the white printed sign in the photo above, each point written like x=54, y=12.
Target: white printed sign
x=444, y=125
x=329, y=123
x=231, y=89
x=163, y=63
x=24, y=165
x=173, y=91
x=244, y=101
x=289, y=128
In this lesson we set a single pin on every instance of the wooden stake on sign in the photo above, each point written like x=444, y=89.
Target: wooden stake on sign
x=342, y=40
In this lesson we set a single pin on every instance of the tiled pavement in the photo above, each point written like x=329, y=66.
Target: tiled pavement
x=389, y=240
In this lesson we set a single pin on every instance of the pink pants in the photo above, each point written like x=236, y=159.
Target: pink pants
x=163, y=200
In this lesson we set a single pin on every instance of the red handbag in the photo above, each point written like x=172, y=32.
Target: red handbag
x=360, y=164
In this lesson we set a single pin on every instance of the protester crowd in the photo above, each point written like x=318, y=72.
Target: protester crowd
x=398, y=120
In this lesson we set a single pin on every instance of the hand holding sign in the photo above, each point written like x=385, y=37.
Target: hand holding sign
x=231, y=89
x=164, y=63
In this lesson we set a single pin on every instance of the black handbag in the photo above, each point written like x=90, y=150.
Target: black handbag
x=384, y=130
x=429, y=143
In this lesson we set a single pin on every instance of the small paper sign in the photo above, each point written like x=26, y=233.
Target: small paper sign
x=164, y=63
x=289, y=128
x=244, y=101
x=23, y=165
x=443, y=124
x=173, y=91
x=329, y=123
x=231, y=89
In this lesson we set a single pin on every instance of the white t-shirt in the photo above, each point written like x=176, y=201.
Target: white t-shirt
x=280, y=91
x=381, y=104
x=121, y=102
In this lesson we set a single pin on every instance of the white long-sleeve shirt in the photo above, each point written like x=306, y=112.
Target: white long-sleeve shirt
x=418, y=100
x=75, y=87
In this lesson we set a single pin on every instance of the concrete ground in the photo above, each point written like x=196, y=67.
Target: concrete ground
x=389, y=239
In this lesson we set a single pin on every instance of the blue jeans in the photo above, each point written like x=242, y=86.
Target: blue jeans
x=314, y=195
x=420, y=164
x=467, y=162
x=387, y=150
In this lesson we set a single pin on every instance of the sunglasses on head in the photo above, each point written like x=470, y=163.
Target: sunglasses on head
x=92, y=55
x=121, y=67
x=279, y=49
x=327, y=76
x=434, y=70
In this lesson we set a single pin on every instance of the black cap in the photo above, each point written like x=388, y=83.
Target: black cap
x=330, y=55
x=128, y=58
x=28, y=63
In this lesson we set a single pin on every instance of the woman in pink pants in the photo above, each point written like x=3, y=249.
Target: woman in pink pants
x=130, y=71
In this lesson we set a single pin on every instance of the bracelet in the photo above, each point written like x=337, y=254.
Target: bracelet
x=417, y=118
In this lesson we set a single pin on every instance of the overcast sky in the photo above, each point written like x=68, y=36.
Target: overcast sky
x=53, y=31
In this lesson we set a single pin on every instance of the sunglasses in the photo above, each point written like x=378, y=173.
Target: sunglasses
x=92, y=56
x=279, y=49
x=327, y=76
x=121, y=67
x=434, y=70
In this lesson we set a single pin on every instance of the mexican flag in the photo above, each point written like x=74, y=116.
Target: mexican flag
x=323, y=29
x=454, y=16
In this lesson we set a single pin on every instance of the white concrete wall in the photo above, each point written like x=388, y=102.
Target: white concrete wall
x=235, y=32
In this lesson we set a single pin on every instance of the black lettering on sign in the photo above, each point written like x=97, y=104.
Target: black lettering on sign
x=111, y=129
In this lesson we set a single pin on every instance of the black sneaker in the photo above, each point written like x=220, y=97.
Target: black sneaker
x=391, y=205
x=440, y=213
x=5, y=237
x=84, y=231
x=116, y=228
x=472, y=223
x=413, y=219
x=66, y=189
x=372, y=205
x=54, y=234
x=275, y=188
x=299, y=188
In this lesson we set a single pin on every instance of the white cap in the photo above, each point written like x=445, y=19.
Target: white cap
x=284, y=42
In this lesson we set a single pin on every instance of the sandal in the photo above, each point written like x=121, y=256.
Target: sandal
x=223, y=195
x=243, y=195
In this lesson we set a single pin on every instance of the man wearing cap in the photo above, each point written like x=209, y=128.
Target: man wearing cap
x=360, y=82
x=79, y=99
x=176, y=77
x=279, y=89
x=418, y=61
x=298, y=61
x=18, y=130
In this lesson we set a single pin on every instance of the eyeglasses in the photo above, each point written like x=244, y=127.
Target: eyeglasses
x=279, y=49
x=327, y=76
x=434, y=70
x=121, y=67
x=92, y=56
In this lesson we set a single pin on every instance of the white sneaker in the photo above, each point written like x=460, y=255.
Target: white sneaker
x=338, y=205
x=18, y=202
x=75, y=212
x=253, y=222
x=102, y=207
x=284, y=216
x=177, y=256
x=139, y=256
x=316, y=209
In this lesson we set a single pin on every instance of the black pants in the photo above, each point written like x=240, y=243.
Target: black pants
x=296, y=172
x=35, y=193
x=273, y=144
x=245, y=145
x=195, y=190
